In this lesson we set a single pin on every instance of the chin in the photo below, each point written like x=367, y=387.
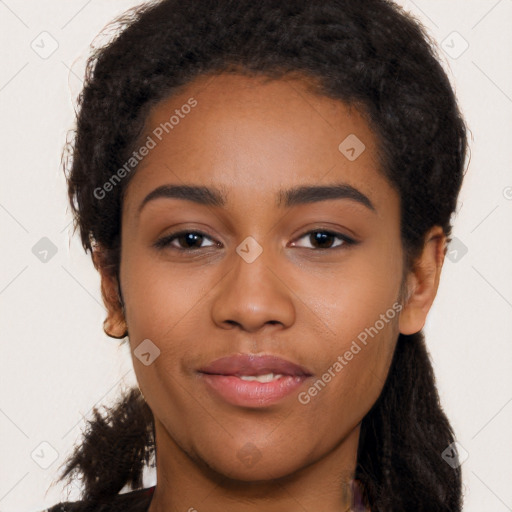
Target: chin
x=253, y=465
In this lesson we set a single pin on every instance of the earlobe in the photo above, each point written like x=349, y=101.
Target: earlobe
x=115, y=323
x=423, y=282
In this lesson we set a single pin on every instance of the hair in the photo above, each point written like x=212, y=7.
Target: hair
x=369, y=54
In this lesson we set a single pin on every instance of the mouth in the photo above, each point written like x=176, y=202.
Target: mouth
x=248, y=380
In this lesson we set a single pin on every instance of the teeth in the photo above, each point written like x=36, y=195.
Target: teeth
x=268, y=377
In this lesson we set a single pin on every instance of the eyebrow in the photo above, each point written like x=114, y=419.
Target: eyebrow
x=292, y=197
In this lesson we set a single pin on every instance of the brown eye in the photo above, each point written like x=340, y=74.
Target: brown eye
x=322, y=239
x=186, y=241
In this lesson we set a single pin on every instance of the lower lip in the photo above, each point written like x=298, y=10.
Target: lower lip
x=245, y=393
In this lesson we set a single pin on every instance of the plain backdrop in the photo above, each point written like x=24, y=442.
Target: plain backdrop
x=56, y=363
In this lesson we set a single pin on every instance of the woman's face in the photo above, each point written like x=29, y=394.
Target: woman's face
x=294, y=251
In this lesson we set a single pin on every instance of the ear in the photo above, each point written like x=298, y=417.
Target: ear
x=423, y=282
x=115, y=323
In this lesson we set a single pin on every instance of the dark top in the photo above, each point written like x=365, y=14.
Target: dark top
x=134, y=501
x=139, y=501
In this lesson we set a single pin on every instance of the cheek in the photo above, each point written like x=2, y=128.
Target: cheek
x=353, y=295
x=353, y=366
x=357, y=312
x=162, y=302
x=159, y=296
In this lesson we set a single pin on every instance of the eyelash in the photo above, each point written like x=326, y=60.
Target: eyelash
x=165, y=242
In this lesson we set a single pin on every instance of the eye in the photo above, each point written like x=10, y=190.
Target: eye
x=186, y=241
x=322, y=239
x=193, y=240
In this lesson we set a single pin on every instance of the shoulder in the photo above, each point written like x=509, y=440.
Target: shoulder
x=134, y=501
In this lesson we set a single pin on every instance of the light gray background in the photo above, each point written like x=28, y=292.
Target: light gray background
x=56, y=362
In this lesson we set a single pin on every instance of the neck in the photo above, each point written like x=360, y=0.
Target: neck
x=186, y=483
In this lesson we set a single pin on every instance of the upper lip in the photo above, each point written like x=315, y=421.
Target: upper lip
x=251, y=364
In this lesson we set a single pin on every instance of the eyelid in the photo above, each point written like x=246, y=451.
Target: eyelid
x=347, y=240
x=165, y=241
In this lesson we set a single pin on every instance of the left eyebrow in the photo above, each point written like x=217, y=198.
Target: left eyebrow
x=313, y=194
x=291, y=197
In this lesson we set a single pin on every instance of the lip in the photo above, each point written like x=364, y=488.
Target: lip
x=222, y=376
x=251, y=364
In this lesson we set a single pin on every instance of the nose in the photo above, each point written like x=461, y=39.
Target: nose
x=253, y=295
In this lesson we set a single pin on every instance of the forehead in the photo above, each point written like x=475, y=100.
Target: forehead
x=255, y=135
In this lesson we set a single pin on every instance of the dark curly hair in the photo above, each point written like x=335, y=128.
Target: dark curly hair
x=365, y=53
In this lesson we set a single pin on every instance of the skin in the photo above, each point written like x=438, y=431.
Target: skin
x=250, y=138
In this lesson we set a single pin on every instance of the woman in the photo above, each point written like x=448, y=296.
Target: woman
x=266, y=190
